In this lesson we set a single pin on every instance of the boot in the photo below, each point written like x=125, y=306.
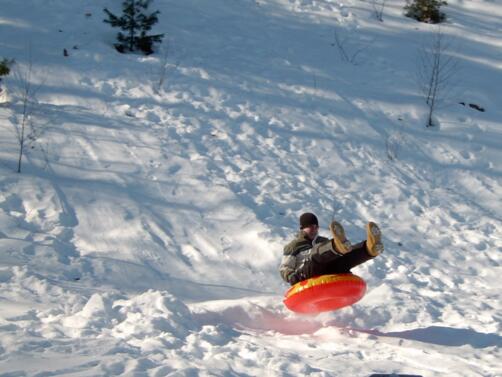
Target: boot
x=374, y=244
x=341, y=243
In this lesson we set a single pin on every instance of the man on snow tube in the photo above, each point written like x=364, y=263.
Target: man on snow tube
x=329, y=261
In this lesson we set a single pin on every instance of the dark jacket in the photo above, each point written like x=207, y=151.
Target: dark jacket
x=298, y=256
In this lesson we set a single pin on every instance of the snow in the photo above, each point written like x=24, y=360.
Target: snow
x=144, y=234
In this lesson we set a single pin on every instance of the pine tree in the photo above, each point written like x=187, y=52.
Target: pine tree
x=5, y=66
x=135, y=23
x=425, y=10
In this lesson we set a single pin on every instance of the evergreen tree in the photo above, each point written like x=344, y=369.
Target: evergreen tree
x=425, y=10
x=135, y=24
x=5, y=66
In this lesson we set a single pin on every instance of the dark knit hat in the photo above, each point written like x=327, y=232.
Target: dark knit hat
x=308, y=219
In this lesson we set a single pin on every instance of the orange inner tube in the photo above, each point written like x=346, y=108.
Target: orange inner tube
x=325, y=293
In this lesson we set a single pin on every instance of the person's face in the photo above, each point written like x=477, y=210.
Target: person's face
x=311, y=231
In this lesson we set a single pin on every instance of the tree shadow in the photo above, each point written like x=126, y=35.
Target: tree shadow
x=444, y=336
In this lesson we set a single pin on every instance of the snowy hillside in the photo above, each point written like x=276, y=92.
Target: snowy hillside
x=144, y=234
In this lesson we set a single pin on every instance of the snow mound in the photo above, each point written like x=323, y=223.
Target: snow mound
x=94, y=316
x=152, y=319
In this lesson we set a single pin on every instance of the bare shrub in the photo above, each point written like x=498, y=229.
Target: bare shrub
x=436, y=69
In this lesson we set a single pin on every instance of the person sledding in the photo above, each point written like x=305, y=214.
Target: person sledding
x=310, y=254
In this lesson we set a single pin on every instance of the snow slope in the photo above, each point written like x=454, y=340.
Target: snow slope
x=144, y=234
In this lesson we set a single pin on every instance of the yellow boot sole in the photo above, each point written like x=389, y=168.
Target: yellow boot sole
x=374, y=243
x=342, y=244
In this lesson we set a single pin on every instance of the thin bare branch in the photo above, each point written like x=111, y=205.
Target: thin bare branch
x=26, y=93
x=348, y=51
x=378, y=8
x=436, y=71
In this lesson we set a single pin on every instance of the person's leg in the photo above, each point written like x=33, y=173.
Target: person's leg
x=362, y=252
x=320, y=255
x=345, y=263
x=326, y=258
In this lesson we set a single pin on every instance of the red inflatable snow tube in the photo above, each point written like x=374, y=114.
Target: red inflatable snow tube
x=325, y=293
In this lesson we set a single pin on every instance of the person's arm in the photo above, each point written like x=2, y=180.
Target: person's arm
x=287, y=269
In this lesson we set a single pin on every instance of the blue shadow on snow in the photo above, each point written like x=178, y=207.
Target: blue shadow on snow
x=445, y=336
